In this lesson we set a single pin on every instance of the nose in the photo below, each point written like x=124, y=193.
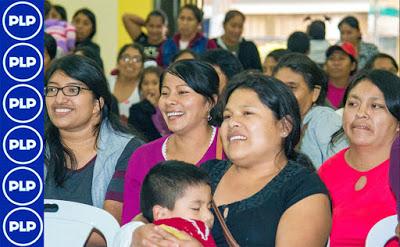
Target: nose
x=233, y=122
x=362, y=111
x=60, y=97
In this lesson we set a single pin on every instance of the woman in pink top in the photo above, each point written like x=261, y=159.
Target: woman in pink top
x=358, y=177
x=189, y=91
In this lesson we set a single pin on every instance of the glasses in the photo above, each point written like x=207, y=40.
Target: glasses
x=127, y=59
x=67, y=90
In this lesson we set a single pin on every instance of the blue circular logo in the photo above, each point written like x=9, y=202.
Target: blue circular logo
x=22, y=186
x=22, y=103
x=22, y=144
x=22, y=62
x=22, y=226
x=22, y=20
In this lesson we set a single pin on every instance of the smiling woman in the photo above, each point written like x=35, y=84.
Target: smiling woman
x=86, y=144
x=358, y=177
x=189, y=91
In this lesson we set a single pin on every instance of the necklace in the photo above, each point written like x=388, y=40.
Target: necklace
x=164, y=146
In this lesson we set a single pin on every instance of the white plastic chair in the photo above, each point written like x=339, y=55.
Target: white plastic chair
x=382, y=232
x=70, y=223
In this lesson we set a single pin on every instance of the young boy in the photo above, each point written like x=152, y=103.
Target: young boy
x=177, y=196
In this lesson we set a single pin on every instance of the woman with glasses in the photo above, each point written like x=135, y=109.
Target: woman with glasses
x=85, y=142
x=125, y=80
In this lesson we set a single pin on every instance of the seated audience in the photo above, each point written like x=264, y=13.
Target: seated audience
x=309, y=83
x=358, y=177
x=318, y=43
x=299, y=42
x=383, y=61
x=266, y=191
x=84, y=21
x=189, y=90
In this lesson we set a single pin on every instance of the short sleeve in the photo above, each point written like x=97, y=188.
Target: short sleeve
x=116, y=187
x=304, y=184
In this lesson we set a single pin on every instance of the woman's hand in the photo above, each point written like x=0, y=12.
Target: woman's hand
x=151, y=235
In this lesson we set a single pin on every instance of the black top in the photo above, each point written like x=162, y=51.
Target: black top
x=254, y=220
x=140, y=118
x=88, y=43
x=151, y=51
x=76, y=188
x=247, y=54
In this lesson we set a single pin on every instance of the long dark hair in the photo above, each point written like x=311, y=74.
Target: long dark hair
x=87, y=71
x=275, y=95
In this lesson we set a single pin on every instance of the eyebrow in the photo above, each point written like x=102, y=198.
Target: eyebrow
x=75, y=83
x=358, y=98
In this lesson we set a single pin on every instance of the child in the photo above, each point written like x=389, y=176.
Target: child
x=177, y=196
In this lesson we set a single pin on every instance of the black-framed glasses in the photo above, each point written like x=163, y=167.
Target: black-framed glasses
x=51, y=91
x=129, y=59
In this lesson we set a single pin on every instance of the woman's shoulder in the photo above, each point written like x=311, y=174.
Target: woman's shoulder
x=151, y=149
x=332, y=165
x=322, y=114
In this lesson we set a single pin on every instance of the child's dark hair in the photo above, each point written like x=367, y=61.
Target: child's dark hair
x=166, y=183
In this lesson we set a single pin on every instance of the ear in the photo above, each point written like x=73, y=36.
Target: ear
x=286, y=126
x=316, y=93
x=99, y=104
x=211, y=104
x=160, y=212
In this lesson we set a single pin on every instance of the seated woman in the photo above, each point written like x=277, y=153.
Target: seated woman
x=383, y=61
x=145, y=116
x=268, y=193
x=309, y=84
x=358, y=177
x=189, y=90
x=84, y=21
x=86, y=144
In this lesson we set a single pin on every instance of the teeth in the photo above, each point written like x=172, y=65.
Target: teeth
x=233, y=138
x=62, y=110
x=170, y=114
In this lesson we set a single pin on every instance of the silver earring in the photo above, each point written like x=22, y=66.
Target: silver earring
x=209, y=117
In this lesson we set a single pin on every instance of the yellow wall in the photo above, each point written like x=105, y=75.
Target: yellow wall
x=139, y=7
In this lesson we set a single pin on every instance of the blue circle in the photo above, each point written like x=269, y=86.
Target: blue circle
x=22, y=186
x=22, y=144
x=22, y=20
x=22, y=62
x=22, y=103
x=22, y=226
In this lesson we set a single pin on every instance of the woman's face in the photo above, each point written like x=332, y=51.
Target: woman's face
x=250, y=132
x=339, y=65
x=349, y=34
x=83, y=25
x=72, y=113
x=155, y=28
x=187, y=23
x=234, y=29
x=366, y=120
x=130, y=63
x=183, y=108
x=295, y=81
x=53, y=14
x=150, y=87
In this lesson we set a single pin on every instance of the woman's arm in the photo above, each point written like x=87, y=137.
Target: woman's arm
x=133, y=25
x=306, y=223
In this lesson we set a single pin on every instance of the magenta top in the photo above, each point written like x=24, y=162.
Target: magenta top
x=335, y=95
x=394, y=172
x=140, y=163
x=356, y=212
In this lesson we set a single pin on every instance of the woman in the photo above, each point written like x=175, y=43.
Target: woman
x=156, y=26
x=86, y=144
x=145, y=116
x=383, y=61
x=350, y=32
x=188, y=37
x=358, y=177
x=124, y=85
x=272, y=59
x=84, y=21
x=233, y=41
x=189, y=90
x=309, y=83
x=267, y=192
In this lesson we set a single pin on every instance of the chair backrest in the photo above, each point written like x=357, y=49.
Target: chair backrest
x=70, y=223
x=381, y=232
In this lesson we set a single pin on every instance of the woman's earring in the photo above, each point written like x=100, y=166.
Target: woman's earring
x=209, y=117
